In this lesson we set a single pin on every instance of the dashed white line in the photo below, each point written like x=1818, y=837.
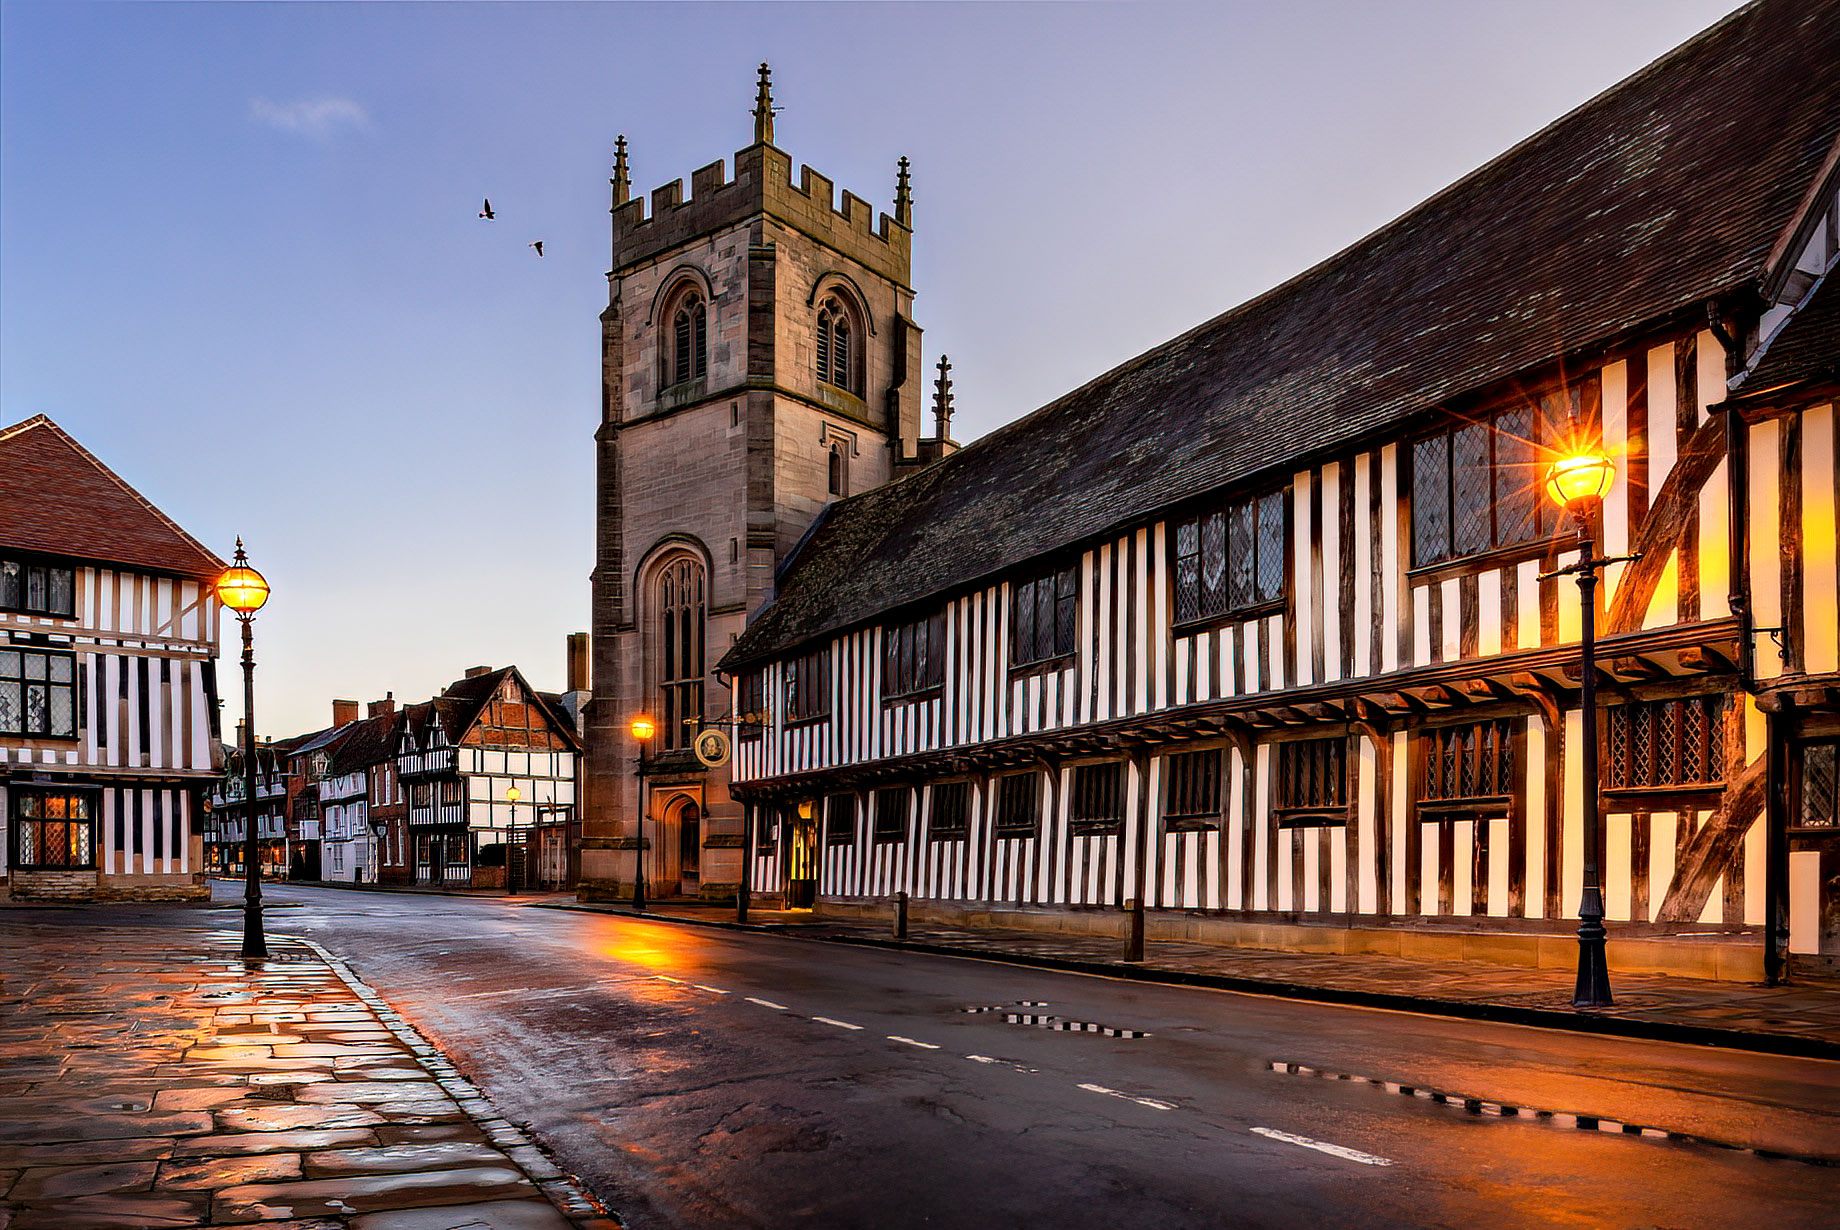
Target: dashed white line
x=714, y=990
x=982, y=1059
x=668, y=978
x=1152, y=1103
x=765, y=1003
x=825, y=1020
x=925, y=1046
x=1341, y=1151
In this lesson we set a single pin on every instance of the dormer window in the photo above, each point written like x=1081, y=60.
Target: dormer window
x=836, y=356
x=689, y=339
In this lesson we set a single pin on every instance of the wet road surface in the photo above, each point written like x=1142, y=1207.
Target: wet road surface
x=700, y=1077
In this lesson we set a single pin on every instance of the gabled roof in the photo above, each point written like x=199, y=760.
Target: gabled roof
x=460, y=703
x=56, y=497
x=1667, y=190
x=1806, y=349
x=368, y=741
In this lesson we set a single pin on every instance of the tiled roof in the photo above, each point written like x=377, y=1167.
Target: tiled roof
x=1807, y=348
x=367, y=741
x=57, y=498
x=1665, y=191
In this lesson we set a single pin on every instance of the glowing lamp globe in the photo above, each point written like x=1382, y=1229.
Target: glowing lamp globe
x=643, y=727
x=513, y=793
x=242, y=588
x=1582, y=477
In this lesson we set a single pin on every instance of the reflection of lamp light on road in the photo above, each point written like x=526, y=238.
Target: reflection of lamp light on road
x=1578, y=484
x=643, y=728
x=245, y=591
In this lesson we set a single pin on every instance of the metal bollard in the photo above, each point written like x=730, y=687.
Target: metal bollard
x=1133, y=930
x=900, y=916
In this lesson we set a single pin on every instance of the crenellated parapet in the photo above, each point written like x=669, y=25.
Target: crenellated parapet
x=762, y=184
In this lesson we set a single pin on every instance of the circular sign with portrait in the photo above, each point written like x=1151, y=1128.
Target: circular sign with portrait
x=712, y=747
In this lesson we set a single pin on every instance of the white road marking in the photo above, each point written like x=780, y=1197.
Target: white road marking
x=715, y=990
x=668, y=978
x=1152, y=1103
x=982, y=1059
x=824, y=1020
x=928, y=1046
x=766, y=1003
x=1352, y=1155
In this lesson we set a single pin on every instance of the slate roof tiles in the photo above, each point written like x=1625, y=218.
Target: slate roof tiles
x=1665, y=191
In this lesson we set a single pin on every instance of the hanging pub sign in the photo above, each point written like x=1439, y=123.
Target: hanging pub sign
x=712, y=747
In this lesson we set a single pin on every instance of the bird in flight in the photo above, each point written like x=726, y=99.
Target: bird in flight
x=487, y=213
x=538, y=245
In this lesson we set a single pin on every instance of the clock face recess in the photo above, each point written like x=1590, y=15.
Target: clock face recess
x=712, y=748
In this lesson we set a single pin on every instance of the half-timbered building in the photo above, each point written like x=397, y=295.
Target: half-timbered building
x=1257, y=631
x=226, y=835
x=108, y=698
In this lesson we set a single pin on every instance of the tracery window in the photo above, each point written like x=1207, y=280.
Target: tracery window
x=836, y=358
x=1042, y=618
x=680, y=652
x=1230, y=560
x=1476, y=488
x=689, y=339
x=1666, y=743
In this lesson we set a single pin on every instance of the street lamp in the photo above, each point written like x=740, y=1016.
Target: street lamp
x=512, y=795
x=244, y=591
x=1578, y=484
x=643, y=728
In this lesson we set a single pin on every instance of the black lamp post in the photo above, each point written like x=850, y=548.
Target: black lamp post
x=643, y=728
x=243, y=590
x=1578, y=484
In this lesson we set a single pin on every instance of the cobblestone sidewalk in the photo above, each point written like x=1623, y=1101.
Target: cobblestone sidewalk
x=147, y=1078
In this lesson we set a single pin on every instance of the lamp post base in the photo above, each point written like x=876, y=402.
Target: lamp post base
x=1593, y=988
x=255, y=944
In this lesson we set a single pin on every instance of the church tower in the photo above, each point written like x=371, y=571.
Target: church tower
x=759, y=359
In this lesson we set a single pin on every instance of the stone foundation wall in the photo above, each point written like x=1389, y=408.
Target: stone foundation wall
x=98, y=886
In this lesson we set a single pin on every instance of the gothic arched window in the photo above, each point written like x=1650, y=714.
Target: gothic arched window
x=679, y=650
x=839, y=469
x=689, y=339
x=836, y=356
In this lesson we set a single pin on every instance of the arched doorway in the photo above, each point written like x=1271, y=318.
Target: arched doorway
x=680, y=847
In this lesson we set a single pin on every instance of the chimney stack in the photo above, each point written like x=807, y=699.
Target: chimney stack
x=577, y=662
x=344, y=712
x=382, y=708
x=242, y=733
x=474, y=672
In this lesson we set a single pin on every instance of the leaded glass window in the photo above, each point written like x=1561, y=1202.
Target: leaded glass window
x=1098, y=798
x=1192, y=791
x=53, y=828
x=1666, y=743
x=914, y=657
x=1018, y=804
x=1468, y=763
x=1230, y=560
x=1042, y=618
x=1476, y=487
x=38, y=693
x=840, y=819
x=950, y=818
x=893, y=806
x=37, y=589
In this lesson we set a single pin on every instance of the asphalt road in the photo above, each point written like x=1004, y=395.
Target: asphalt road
x=699, y=1077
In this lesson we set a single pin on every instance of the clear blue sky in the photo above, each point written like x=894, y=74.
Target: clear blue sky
x=239, y=258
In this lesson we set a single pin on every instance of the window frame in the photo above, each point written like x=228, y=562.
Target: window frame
x=1193, y=821
x=834, y=833
x=16, y=823
x=750, y=696
x=680, y=605
x=881, y=832
x=1292, y=759
x=1429, y=747
x=23, y=679
x=1619, y=784
x=1085, y=793
x=836, y=317
x=1548, y=526
x=1255, y=606
x=1003, y=826
x=958, y=789
x=927, y=659
x=22, y=566
x=1065, y=577
x=687, y=356
x=812, y=662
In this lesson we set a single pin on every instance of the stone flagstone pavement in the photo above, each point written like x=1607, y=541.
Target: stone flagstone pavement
x=147, y=1078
